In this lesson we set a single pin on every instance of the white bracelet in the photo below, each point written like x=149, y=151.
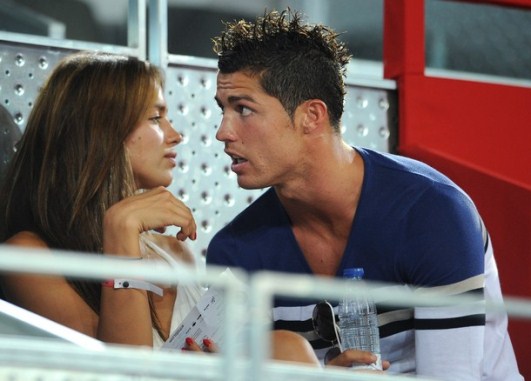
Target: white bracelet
x=138, y=284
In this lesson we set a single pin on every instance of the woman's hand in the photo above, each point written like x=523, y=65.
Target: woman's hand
x=191, y=345
x=153, y=209
x=122, y=225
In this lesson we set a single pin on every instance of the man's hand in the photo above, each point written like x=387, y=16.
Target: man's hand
x=352, y=357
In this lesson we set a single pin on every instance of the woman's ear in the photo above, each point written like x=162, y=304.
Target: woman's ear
x=314, y=115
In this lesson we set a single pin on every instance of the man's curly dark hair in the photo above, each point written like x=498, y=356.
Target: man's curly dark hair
x=294, y=60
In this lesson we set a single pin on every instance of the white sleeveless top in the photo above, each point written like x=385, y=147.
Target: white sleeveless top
x=187, y=294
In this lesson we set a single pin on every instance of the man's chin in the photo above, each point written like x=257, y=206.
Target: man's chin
x=249, y=185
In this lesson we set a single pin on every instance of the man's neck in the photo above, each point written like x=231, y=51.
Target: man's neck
x=329, y=192
x=321, y=208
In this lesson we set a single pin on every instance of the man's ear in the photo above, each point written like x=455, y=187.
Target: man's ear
x=313, y=115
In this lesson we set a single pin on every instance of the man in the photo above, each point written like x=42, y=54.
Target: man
x=332, y=206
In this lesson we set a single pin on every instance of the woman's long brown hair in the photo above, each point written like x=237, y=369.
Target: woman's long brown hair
x=71, y=163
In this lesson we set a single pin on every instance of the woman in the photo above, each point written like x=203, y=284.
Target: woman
x=98, y=133
x=90, y=175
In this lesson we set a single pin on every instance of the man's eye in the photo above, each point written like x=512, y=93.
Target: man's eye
x=245, y=111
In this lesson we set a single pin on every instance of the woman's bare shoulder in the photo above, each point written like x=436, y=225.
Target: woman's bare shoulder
x=174, y=247
x=27, y=239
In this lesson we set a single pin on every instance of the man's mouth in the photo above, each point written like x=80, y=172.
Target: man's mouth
x=237, y=160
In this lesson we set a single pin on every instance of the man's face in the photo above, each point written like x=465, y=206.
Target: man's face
x=258, y=133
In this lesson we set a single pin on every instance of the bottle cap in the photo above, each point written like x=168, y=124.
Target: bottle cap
x=353, y=272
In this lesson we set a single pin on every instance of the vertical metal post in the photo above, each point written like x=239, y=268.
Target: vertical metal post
x=158, y=33
x=136, y=27
x=234, y=309
x=260, y=301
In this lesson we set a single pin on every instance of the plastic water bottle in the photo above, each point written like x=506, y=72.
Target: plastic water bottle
x=358, y=322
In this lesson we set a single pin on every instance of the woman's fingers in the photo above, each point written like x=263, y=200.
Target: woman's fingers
x=210, y=346
x=162, y=207
x=155, y=209
x=181, y=236
x=191, y=345
x=172, y=211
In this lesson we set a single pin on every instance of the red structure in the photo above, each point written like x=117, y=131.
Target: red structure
x=477, y=133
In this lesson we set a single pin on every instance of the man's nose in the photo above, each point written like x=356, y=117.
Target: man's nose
x=225, y=132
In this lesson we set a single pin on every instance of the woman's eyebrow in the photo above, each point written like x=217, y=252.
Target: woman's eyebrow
x=161, y=107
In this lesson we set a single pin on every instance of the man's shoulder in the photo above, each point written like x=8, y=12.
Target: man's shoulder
x=393, y=170
x=254, y=218
x=404, y=165
x=253, y=231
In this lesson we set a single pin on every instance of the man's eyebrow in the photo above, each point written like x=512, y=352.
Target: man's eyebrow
x=235, y=98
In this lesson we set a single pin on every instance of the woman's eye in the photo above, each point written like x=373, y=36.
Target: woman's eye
x=156, y=119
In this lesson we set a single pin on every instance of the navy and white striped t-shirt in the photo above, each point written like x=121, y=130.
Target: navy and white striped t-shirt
x=414, y=228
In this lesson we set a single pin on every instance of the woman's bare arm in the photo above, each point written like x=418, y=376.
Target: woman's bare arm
x=49, y=296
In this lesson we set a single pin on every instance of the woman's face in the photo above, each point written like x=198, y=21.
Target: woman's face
x=151, y=146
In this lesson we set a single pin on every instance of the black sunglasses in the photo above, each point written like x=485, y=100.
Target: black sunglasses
x=325, y=326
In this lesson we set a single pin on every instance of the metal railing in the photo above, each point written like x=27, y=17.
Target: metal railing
x=22, y=355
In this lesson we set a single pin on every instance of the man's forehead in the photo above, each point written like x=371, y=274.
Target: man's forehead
x=238, y=82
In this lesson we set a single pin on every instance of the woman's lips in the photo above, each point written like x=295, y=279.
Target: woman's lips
x=172, y=158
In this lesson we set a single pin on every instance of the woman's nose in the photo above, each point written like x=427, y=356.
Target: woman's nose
x=173, y=136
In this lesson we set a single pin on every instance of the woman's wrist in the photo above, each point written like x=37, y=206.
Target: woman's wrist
x=123, y=245
x=126, y=257
x=132, y=284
